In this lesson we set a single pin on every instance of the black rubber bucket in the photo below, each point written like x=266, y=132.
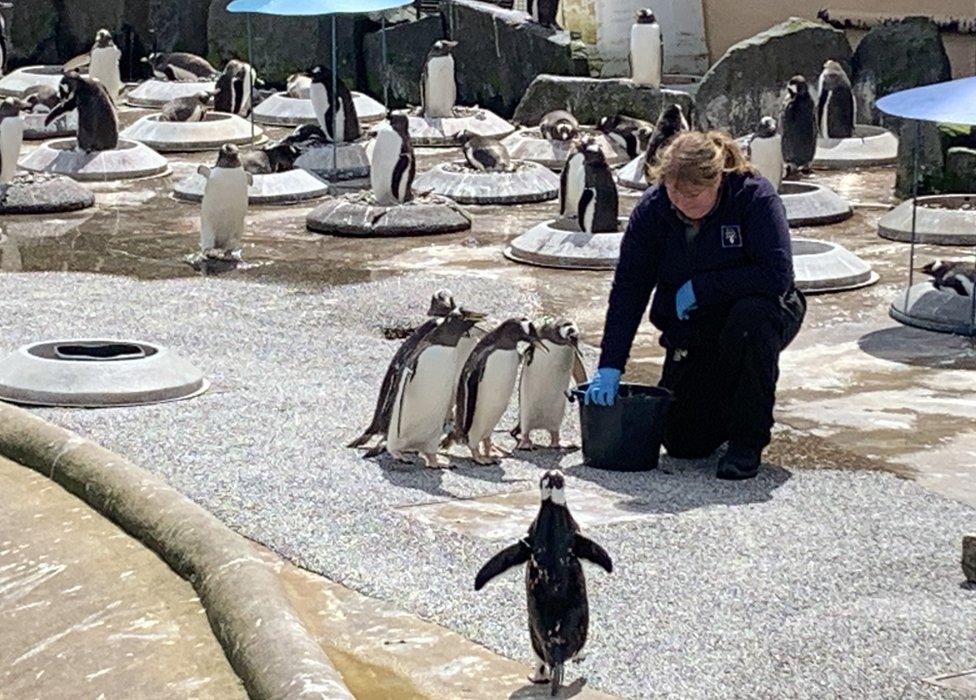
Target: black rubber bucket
x=627, y=436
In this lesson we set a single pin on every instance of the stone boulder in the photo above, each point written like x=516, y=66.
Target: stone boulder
x=591, y=98
x=32, y=31
x=960, y=170
x=177, y=25
x=407, y=45
x=502, y=51
x=897, y=56
x=749, y=81
x=946, y=158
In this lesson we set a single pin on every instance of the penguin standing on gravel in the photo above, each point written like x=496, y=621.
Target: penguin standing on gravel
x=960, y=277
x=572, y=180
x=598, y=204
x=343, y=126
x=438, y=83
x=836, y=109
x=544, y=380
x=224, y=204
x=559, y=125
x=765, y=151
x=105, y=57
x=544, y=12
x=484, y=153
x=98, y=124
x=235, y=88
x=485, y=386
x=799, y=124
x=671, y=123
x=555, y=585
x=646, y=50
x=392, y=165
x=11, y=139
x=628, y=133
x=189, y=108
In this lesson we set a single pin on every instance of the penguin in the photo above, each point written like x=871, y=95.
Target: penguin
x=235, y=87
x=274, y=158
x=180, y=67
x=486, y=384
x=98, y=124
x=559, y=125
x=555, y=586
x=43, y=98
x=544, y=12
x=224, y=204
x=103, y=63
x=598, y=204
x=765, y=151
x=344, y=127
x=836, y=108
x=572, y=180
x=628, y=133
x=484, y=153
x=307, y=136
x=438, y=84
x=671, y=123
x=392, y=164
x=297, y=86
x=960, y=277
x=189, y=108
x=11, y=139
x=646, y=50
x=544, y=380
x=799, y=124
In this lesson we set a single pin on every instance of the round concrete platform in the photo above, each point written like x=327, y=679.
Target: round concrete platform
x=528, y=144
x=808, y=204
x=216, y=129
x=948, y=219
x=441, y=132
x=821, y=267
x=356, y=216
x=352, y=159
x=97, y=373
x=559, y=243
x=282, y=110
x=18, y=82
x=869, y=147
x=41, y=193
x=525, y=183
x=129, y=160
x=63, y=126
x=288, y=187
x=931, y=309
x=631, y=174
x=153, y=93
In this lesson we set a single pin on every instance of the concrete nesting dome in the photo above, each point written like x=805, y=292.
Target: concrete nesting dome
x=529, y=144
x=357, y=216
x=560, y=243
x=17, y=83
x=288, y=187
x=216, y=129
x=821, y=267
x=631, y=174
x=871, y=146
x=526, y=182
x=129, y=160
x=441, y=132
x=352, y=159
x=97, y=373
x=34, y=129
x=153, y=93
x=42, y=193
x=931, y=309
x=282, y=110
x=948, y=219
x=808, y=204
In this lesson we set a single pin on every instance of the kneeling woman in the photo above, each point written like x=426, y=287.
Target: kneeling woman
x=711, y=237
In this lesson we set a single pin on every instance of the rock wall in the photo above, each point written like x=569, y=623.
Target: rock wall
x=407, y=45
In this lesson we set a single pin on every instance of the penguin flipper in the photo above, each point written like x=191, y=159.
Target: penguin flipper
x=585, y=548
x=401, y=181
x=586, y=198
x=250, y=179
x=62, y=108
x=563, y=185
x=77, y=62
x=579, y=369
x=203, y=170
x=515, y=555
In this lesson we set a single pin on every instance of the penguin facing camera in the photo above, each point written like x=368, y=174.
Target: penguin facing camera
x=671, y=123
x=438, y=83
x=98, y=124
x=392, y=163
x=544, y=380
x=799, y=124
x=235, y=88
x=343, y=125
x=836, y=108
x=555, y=585
x=189, y=108
x=224, y=205
x=765, y=151
x=181, y=67
x=544, y=12
x=102, y=61
x=646, y=55
x=598, y=205
x=958, y=276
x=483, y=152
x=631, y=135
x=11, y=139
x=559, y=125
x=273, y=158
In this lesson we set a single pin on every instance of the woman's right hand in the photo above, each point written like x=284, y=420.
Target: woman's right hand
x=602, y=391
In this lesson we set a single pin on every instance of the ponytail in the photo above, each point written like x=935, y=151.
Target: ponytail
x=698, y=159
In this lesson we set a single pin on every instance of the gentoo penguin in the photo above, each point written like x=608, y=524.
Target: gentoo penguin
x=572, y=180
x=799, y=125
x=104, y=64
x=98, y=124
x=11, y=139
x=274, y=158
x=559, y=125
x=486, y=383
x=483, y=152
x=307, y=136
x=544, y=380
x=235, y=88
x=957, y=276
x=189, y=108
x=628, y=133
x=224, y=203
x=836, y=109
x=392, y=165
x=181, y=67
x=598, y=204
x=43, y=98
x=646, y=50
x=544, y=12
x=765, y=151
x=298, y=85
x=344, y=128
x=671, y=123
x=555, y=586
x=438, y=87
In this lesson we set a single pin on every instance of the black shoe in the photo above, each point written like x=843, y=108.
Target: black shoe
x=739, y=463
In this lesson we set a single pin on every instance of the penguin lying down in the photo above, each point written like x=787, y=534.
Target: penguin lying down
x=958, y=276
x=555, y=586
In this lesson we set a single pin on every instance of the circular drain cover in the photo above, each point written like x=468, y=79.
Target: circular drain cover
x=97, y=373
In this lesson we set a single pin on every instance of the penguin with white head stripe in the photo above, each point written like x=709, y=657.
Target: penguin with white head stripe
x=599, y=203
x=224, y=204
x=392, y=163
x=343, y=126
x=438, y=83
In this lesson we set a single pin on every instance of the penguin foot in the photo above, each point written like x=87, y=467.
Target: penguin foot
x=541, y=675
x=497, y=451
x=400, y=457
x=526, y=444
x=435, y=461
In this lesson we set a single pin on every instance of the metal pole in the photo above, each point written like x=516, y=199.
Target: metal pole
x=335, y=88
x=911, y=257
x=386, y=65
x=250, y=65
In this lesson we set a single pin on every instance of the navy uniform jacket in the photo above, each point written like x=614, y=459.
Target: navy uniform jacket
x=742, y=249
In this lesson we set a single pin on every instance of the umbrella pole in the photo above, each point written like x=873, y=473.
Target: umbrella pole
x=335, y=88
x=250, y=66
x=386, y=64
x=911, y=256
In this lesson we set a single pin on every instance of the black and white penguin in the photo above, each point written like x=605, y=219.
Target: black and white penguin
x=559, y=125
x=180, y=67
x=646, y=50
x=344, y=127
x=438, y=83
x=799, y=125
x=189, y=108
x=104, y=63
x=555, y=586
x=486, y=384
x=11, y=138
x=631, y=135
x=307, y=136
x=671, y=123
x=836, y=108
x=765, y=151
x=598, y=205
x=572, y=179
x=224, y=203
x=98, y=124
x=544, y=380
x=298, y=85
x=483, y=152
x=392, y=165
x=544, y=12
x=235, y=88
x=274, y=158
x=958, y=276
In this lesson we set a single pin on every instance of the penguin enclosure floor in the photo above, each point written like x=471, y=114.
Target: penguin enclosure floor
x=834, y=573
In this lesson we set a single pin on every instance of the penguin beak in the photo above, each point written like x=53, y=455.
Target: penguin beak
x=537, y=343
x=473, y=315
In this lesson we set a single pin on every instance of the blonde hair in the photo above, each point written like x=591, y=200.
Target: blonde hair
x=698, y=159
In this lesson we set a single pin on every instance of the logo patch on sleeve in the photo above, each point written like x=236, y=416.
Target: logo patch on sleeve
x=731, y=237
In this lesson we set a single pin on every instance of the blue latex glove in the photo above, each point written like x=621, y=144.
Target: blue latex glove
x=603, y=389
x=684, y=300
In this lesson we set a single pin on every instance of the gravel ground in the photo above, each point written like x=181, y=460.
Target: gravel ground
x=797, y=584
